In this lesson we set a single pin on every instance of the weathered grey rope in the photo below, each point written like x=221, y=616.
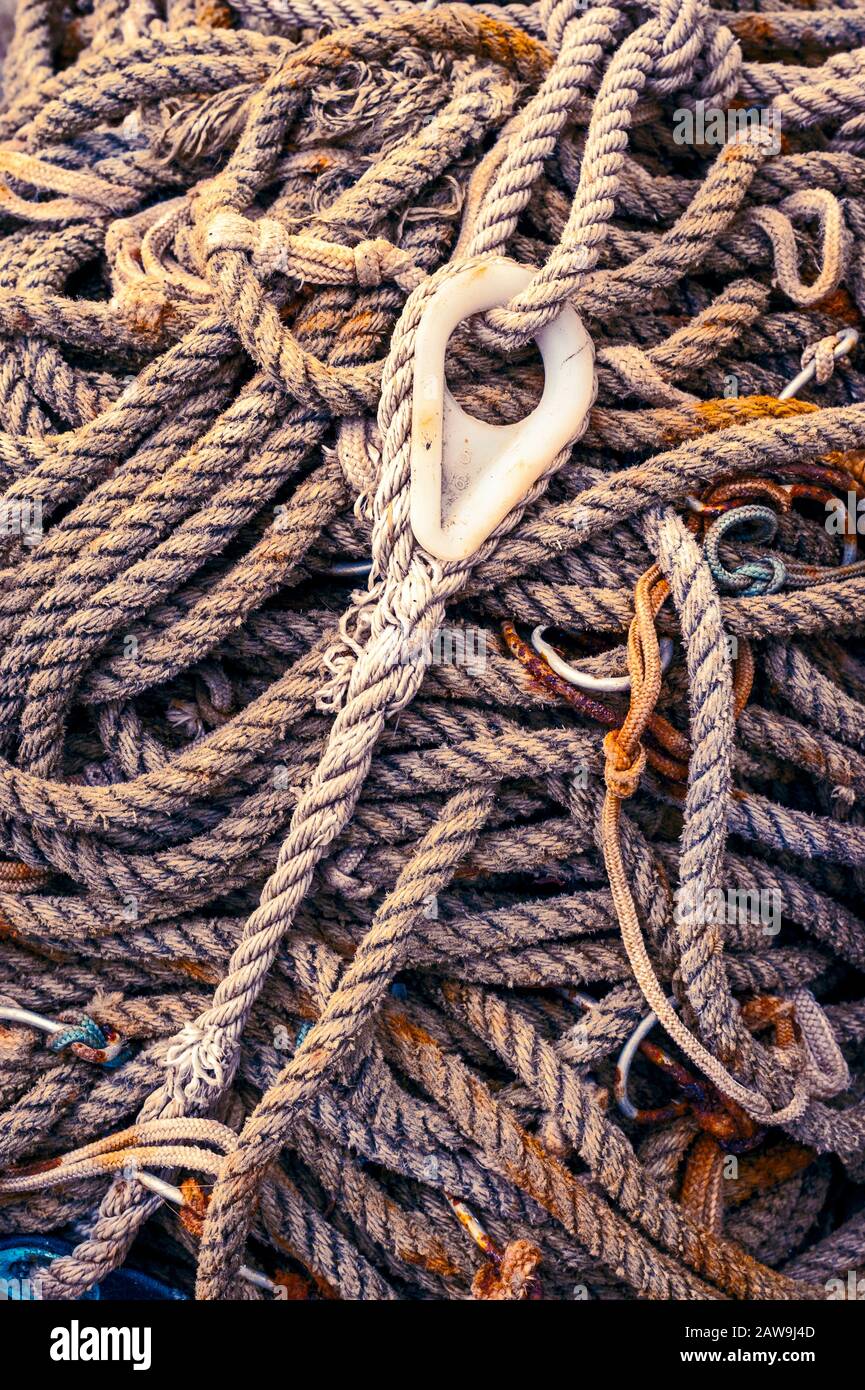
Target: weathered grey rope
x=236, y=803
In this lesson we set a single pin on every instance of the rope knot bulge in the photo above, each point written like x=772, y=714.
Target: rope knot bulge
x=310, y=260
x=622, y=772
x=510, y=1279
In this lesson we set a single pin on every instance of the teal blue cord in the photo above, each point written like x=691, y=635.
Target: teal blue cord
x=755, y=577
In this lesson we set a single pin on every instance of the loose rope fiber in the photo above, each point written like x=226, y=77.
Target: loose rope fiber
x=328, y=906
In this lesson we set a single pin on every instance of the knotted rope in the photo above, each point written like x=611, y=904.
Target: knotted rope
x=367, y=896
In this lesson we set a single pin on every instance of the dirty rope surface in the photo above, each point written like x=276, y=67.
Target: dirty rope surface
x=359, y=897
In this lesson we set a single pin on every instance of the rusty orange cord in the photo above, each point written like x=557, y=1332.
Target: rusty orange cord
x=702, y=1192
x=508, y=1274
x=625, y=762
x=670, y=759
x=12, y=871
x=726, y=1128
x=766, y=1009
x=715, y=1114
x=674, y=768
x=726, y=496
x=195, y=1201
x=762, y=1171
x=624, y=751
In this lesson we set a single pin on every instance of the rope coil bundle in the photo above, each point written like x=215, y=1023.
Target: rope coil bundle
x=374, y=925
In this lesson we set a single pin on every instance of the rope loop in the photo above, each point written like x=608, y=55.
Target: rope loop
x=292, y=802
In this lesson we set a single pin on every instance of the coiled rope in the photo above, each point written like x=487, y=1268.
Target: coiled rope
x=372, y=895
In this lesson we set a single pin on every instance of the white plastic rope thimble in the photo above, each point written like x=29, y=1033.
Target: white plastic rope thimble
x=467, y=475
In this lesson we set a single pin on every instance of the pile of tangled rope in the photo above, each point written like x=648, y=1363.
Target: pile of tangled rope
x=377, y=927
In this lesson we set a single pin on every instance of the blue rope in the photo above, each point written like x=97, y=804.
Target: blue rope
x=84, y=1031
x=88, y=1032
x=754, y=578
